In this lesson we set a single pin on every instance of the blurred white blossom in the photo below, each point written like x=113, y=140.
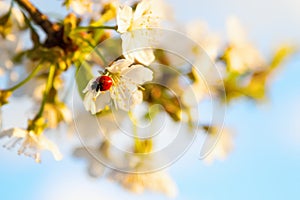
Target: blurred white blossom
x=196, y=91
x=31, y=143
x=157, y=182
x=242, y=55
x=204, y=70
x=57, y=113
x=11, y=42
x=87, y=8
x=209, y=43
x=223, y=145
x=95, y=167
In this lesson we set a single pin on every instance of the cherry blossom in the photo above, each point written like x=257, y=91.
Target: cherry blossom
x=31, y=143
x=124, y=93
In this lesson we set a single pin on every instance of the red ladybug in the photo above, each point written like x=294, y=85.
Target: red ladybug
x=103, y=83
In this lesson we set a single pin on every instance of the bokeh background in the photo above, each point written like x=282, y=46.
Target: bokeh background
x=265, y=161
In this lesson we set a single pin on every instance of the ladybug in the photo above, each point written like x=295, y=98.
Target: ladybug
x=102, y=83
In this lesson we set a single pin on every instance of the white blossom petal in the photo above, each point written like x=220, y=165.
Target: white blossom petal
x=134, y=42
x=87, y=8
x=143, y=16
x=222, y=148
x=119, y=66
x=144, y=7
x=120, y=96
x=95, y=168
x=136, y=98
x=31, y=143
x=96, y=101
x=88, y=101
x=124, y=18
x=138, y=74
x=194, y=94
x=44, y=143
x=158, y=182
x=243, y=56
x=148, y=14
x=89, y=85
x=236, y=33
x=102, y=101
x=13, y=132
x=136, y=47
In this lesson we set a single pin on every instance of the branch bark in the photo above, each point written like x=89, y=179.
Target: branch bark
x=38, y=17
x=54, y=31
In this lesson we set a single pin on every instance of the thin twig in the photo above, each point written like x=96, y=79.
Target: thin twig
x=38, y=17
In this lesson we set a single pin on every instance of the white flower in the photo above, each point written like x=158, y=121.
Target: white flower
x=158, y=182
x=206, y=77
x=95, y=167
x=196, y=91
x=223, y=146
x=56, y=113
x=11, y=43
x=204, y=69
x=87, y=8
x=199, y=32
x=124, y=93
x=94, y=129
x=81, y=7
x=145, y=16
x=31, y=143
x=242, y=55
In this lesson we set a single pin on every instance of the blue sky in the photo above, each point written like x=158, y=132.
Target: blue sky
x=266, y=158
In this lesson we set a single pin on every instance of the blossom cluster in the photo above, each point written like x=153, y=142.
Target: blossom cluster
x=124, y=61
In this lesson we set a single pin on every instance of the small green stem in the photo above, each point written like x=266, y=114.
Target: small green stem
x=98, y=27
x=49, y=85
x=190, y=118
x=97, y=51
x=30, y=76
x=135, y=134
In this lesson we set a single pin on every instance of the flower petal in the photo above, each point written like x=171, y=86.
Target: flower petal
x=145, y=57
x=43, y=143
x=136, y=98
x=158, y=182
x=126, y=97
x=148, y=14
x=88, y=100
x=124, y=18
x=95, y=168
x=13, y=132
x=118, y=66
x=138, y=74
x=135, y=46
x=102, y=100
x=89, y=85
x=141, y=9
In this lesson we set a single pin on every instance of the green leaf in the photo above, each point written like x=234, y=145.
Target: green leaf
x=83, y=76
x=280, y=56
x=67, y=3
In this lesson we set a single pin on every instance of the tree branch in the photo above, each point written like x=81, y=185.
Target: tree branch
x=38, y=17
x=54, y=31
